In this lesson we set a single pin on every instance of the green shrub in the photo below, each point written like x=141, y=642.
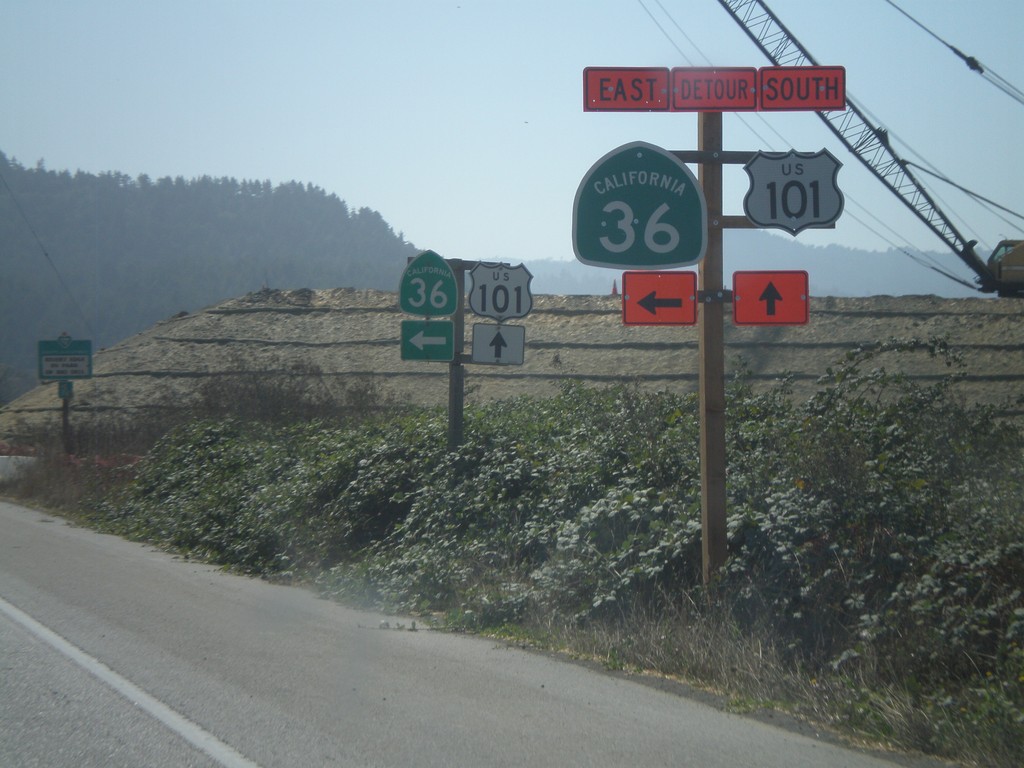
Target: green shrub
x=876, y=542
x=886, y=484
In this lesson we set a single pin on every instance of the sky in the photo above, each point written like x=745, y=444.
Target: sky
x=462, y=122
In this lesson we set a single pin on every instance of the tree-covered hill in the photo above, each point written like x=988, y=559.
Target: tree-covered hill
x=105, y=256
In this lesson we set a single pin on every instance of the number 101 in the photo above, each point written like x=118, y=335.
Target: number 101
x=793, y=199
x=500, y=298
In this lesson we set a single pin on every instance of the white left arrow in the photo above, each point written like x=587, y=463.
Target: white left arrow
x=420, y=341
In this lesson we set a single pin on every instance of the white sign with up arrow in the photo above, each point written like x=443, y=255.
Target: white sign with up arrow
x=498, y=344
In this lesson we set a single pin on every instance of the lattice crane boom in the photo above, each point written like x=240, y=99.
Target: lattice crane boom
x=868, y=143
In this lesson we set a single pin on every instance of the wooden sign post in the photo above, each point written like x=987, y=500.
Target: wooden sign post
x=710, y=91
x=711, y=332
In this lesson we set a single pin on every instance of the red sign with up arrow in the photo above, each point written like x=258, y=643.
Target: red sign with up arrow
x=770, y=298
x=659, y=298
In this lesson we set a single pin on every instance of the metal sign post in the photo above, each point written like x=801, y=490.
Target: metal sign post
x=62, y=361
x=433, y=288
x=456, y=370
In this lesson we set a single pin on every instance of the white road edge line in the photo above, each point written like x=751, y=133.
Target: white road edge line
x=201, y=739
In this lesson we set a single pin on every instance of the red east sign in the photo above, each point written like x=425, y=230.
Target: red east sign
x=770, y=298
x=659, y=298
x=625, y=89
x=713, y=89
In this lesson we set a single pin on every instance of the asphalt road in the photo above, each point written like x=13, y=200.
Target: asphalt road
x=112, y=654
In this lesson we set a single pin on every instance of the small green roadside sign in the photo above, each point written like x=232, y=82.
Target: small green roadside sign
x=65, y=358
x=639, y=207
x=428, y=340
x=428, y=287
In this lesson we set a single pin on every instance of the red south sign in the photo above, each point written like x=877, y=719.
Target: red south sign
x=816, y=89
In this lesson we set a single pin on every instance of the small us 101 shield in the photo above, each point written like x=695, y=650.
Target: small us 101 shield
x=500, y=291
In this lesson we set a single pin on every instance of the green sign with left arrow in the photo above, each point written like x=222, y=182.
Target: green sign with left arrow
x=428, y=340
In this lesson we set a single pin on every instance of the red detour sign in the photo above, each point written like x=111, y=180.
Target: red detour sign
x=714, y=89
x=816, y=89
x=625, y=89
x=770, y=298
x=659, y=298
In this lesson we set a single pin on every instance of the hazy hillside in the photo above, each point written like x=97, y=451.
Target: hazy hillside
x=341, y=340
x=105, y=256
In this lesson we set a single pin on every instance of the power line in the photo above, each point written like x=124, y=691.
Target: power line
x=707, y=61
x=665, y=33
x=932, y=170
x=46, y=255
x=682, y=32
x=782, y=138
x=922, y=260
x=972, y=63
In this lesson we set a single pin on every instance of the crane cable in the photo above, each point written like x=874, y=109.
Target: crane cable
x=972, y=63
x=966, y=191
x=704, y=56
x=922, y=260
x=933, y=171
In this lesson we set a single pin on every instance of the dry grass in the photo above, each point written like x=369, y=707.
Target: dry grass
x=746, y=672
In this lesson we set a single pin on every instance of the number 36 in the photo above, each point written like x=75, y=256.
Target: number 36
x=438, y=298
x=654, y=230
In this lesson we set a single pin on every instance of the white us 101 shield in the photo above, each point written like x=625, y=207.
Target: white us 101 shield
x=500, y=291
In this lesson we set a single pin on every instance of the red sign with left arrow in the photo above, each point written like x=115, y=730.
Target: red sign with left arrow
x=770, y=298
x=659, y=298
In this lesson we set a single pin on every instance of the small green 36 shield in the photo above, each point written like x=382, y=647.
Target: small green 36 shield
x=428, y=287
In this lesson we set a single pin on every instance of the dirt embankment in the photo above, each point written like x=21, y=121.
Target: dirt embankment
x=351, y=335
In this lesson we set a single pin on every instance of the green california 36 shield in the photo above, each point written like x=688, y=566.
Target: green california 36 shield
x=639, y=207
